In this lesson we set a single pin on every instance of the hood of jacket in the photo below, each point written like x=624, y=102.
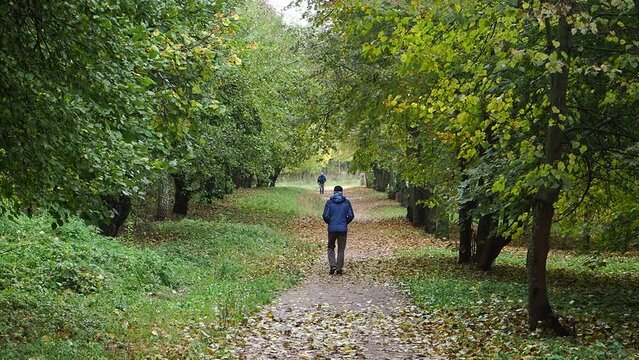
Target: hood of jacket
x=338, y=198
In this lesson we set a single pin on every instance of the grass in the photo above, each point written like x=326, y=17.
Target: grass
x=311, y=185
x=383, y=208
x=601, y=302
x=276, y=207
x=179, y=290
x=70, y=293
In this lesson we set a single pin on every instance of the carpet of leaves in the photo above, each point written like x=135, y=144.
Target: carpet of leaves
x=454, y=311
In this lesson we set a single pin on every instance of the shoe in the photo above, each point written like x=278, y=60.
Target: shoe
x=339, y=272
x=332, y=271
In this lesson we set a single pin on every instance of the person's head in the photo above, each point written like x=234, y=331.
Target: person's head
x=338, y=189
x=321, y=173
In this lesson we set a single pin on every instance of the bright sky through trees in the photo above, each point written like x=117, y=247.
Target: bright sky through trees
x=293, y=15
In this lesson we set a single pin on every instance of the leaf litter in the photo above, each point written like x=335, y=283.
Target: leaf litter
x=366, y=313
x=352, y=316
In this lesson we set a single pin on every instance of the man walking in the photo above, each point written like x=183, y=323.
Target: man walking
x=320, y=181
x=338, y=213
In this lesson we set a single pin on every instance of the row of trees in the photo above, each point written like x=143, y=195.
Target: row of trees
x=518, y=117
x=106, y=102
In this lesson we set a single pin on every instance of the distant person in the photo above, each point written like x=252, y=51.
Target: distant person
x=338, y=213
x=321, y=180
x=362, y=179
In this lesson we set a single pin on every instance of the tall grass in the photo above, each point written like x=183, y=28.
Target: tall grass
x=71, y=293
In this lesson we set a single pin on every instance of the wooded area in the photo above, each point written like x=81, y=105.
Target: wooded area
x=102, y=101
x=493, y=123
x=516, y=119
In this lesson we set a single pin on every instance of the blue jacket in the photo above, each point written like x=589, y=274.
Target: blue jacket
x=338, y=213
x=321, y=179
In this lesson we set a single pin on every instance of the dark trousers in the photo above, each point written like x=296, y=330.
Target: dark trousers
x=321, y=185
x=340, y=238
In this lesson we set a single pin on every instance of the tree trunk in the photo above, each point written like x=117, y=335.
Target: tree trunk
x=465, y=224
x=182, y=194
x=405, y=196
x=416, y=216
x=539, y=309
x=493, y=242
x=392, y=185
x=485, y=227
x=120, y=208
x=492, y=249
x=274, y=176
x=382, y=178
x=465, y=232
x=162, y=198
x=418, y=213
x=243, y=180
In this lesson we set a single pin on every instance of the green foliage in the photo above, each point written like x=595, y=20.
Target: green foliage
x=64, y=284
x=70, y=292
x=100, y=100
x=280, y=69
x=96, y=95
x=454, y=91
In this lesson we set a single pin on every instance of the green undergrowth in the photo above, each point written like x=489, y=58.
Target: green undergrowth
x=391, y=212
x=486, y=312
x=277, y=207
x=383, y=208
x=312, y=185
x=71, y=293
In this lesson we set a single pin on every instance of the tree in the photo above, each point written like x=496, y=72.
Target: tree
x=496, y=97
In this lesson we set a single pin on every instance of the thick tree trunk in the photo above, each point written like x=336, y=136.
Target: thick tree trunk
x=490, y=242
x=382, y=178
x=430, y=218
x=418, y=213
x=162, y=200
x=274, y=176
x=492, y=249
x=406, y=197
x=485, y=227
x=392, y=185
x=539, y=310
x=120, y=208
x=465, y=221
x=415, y=209
x=182, y=195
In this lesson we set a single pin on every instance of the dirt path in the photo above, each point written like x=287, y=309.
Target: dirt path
x=351, y=316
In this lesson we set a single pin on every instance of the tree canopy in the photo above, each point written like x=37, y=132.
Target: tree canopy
x=519, y=114
x=101, y=99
